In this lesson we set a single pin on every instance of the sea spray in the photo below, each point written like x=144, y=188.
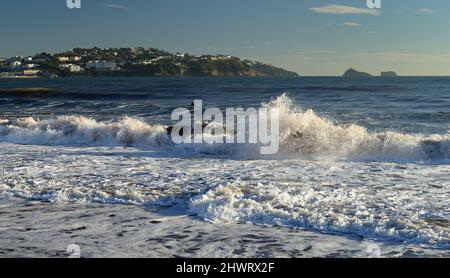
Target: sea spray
x=302, y=134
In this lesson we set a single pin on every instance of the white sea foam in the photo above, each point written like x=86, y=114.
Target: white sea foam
x=344, y=210
x=379, y=185
x=83, y=131
x=406, y=202
x=303, y=134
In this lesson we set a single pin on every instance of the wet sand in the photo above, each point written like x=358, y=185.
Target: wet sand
x=38, y=229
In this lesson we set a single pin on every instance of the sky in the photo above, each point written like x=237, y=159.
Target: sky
x=311, y=37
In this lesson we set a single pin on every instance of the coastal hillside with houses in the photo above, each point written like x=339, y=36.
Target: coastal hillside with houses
x=137, y=61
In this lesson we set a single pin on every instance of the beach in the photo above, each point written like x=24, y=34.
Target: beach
x=349, y=180
x=36, y=229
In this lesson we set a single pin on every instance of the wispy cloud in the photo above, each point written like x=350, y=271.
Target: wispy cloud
x=425, y=11
x=351, y=24
x=341, y=9
x=115, y=6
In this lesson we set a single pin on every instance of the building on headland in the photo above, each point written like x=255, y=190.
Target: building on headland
x=63, y=59
x=31, y=72
x=71, y=67
x=102, y=65
x=15, y=64
x=75, y=58
x=69, y=58
x=28, y=59
x=29, y=66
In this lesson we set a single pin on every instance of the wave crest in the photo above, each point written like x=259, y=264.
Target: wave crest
x=79, y=130
x=303, y=134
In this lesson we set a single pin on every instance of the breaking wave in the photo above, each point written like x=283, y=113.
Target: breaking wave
x=302, y=134
x=82, y=131
x=305, y=133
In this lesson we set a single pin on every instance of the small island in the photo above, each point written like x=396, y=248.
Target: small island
x=388, y=74
x=352, y=73
x=137, y=61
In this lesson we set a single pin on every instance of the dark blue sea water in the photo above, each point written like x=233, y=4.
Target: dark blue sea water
x=405, y=104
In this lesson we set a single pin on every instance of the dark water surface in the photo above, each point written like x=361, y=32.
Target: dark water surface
x=407, y=104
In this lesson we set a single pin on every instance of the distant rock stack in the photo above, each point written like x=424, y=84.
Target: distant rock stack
x=388, y=74
x=352, y=73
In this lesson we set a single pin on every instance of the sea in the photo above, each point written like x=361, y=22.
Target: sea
x=365, y=158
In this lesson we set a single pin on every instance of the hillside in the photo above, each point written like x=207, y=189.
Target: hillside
x=137, y=62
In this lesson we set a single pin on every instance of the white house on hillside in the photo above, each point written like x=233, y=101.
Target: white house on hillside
x=29, y=66
x=63, y=59
x=71, y=67
x=15, y=64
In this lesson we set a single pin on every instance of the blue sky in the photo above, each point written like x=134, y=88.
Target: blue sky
x=312, y=37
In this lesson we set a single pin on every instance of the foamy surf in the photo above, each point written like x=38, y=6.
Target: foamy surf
x=343, y=210
x=82, y=131
x=303, y=134
x=327, y=177
x=376, y=200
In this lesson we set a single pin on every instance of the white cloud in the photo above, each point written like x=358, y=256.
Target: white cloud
x=425, y=11
x=351, y=24
x=114, y=6
x=341, y=9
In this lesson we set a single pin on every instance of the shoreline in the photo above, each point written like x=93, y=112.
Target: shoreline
x=37, y=229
